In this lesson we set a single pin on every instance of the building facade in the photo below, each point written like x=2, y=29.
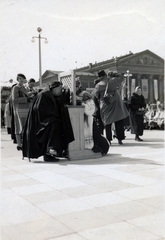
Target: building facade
x=145, y=69
x=48, y=77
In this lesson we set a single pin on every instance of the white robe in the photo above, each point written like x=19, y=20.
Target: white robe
x=88, y=123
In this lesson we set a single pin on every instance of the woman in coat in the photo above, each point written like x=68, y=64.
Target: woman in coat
x=137, y=109
x=112, y=108
x=7, y=116
x=20, y=106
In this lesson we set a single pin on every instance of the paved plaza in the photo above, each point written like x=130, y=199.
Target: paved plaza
x=117, y=197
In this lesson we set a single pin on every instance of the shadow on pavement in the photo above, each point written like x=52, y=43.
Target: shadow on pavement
x=146, y=143
x=108, y=159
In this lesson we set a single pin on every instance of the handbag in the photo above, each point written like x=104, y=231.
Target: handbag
x=109, y=97
x=141, y=113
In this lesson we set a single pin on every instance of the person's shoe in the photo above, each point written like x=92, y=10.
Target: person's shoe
x=55, y=153
x=52, y=152
x=50, y=158
x=120, y=142
x=65, y=153
x=19, y=148
x=138, y=139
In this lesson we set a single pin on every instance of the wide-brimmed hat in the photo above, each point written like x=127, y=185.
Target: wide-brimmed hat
x=102, y=73
x=55, y=84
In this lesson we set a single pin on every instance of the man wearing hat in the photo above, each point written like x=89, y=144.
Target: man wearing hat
x=48, y=129
x=111, y=106
x=31, y=85
x=30, y=88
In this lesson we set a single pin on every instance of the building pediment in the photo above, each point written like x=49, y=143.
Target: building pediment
x=49, y=74
x=146, y=58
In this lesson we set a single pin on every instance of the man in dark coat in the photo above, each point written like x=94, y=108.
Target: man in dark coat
x=48, y=129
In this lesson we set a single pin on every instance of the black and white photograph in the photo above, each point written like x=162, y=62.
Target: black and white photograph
x=82, y=119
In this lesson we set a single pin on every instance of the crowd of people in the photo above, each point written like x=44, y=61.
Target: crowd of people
x=40, y=125
x=154, y=116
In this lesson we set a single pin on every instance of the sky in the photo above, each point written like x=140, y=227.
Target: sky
x=79, y=32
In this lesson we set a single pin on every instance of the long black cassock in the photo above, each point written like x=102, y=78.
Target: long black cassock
x=48, y=124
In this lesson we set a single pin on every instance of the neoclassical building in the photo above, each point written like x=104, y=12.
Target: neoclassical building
x=48, y=77
x=145, y=69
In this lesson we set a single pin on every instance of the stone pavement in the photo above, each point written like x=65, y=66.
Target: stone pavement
x=116, y=197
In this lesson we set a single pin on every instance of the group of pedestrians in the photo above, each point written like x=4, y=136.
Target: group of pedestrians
x=41, y=123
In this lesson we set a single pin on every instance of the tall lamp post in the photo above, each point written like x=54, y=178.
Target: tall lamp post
x=128, y=75
x=39, y=40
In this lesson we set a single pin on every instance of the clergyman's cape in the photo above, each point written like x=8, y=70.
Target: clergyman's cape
x=46, y=116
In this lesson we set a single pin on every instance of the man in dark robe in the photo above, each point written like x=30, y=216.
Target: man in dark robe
x=48, y=129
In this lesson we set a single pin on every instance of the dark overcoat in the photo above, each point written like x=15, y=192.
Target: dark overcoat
x=136, y=121
x=48, y=119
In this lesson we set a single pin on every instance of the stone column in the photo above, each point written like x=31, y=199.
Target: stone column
x=132, y=87
x=138, y=80
x=161, y=89
x=151, y=88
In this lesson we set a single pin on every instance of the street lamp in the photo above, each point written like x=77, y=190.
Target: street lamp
x=9, y=81
x=128, y=75
x=46, y=41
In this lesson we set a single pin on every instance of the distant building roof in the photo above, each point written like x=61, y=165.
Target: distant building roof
x=96, y=65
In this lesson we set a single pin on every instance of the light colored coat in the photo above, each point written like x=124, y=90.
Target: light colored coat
x=7, y=116
x=20, y=107
x=115, y=111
